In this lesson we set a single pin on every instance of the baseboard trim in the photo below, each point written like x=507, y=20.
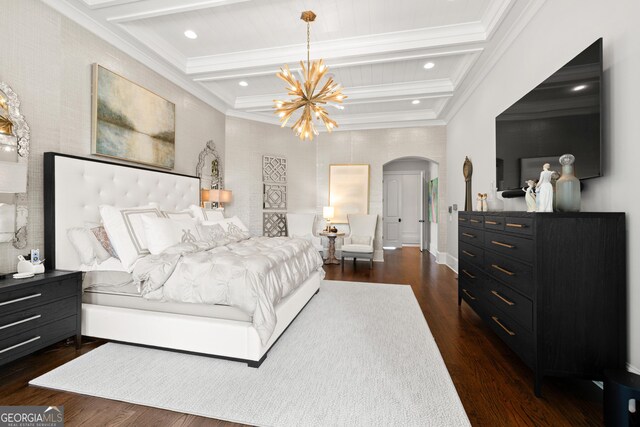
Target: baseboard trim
x=630, y=368
x=452, y=263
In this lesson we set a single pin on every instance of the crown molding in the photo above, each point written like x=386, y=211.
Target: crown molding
x=139, y=10
x=494, y=15
x=100, y=4
x=372, y=45
x=470, y=86
x=157, y=65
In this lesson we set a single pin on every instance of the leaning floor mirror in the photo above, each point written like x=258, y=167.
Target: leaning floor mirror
x=14, y=156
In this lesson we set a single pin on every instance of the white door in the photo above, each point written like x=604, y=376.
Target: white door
x=392, y=208
x=411, y=212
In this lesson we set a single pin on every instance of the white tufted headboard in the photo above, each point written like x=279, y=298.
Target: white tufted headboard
x=74, y=187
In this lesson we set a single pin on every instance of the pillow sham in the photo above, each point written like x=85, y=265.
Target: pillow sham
x=183, y=214
x=88, y=248
x=213, y=233
x=162, y=233
x=125, y=231
x=206, y=214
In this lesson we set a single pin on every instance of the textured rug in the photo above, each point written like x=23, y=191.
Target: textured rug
x=358, y=355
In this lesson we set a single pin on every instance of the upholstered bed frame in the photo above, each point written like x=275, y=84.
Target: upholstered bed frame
x=74, y=187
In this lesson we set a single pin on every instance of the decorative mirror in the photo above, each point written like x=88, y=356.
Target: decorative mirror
x=14, y=157
x=209, y=170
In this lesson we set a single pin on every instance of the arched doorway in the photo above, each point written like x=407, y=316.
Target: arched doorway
x=407, y=202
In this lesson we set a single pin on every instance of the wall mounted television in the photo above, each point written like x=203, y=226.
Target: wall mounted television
x=561, y=115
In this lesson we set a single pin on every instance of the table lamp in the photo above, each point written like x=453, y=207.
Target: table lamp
x=327, y=214
x=220, y=196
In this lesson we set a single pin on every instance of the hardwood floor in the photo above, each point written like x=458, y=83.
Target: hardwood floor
x=494, y=386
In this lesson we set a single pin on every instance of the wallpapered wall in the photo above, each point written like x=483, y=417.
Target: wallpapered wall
x=46, y=59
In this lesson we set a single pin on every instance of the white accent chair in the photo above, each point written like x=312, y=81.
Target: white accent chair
x=302, y=225
x=359, y=242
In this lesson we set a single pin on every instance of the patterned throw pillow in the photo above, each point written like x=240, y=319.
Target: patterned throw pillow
x=103, y=238
x=235, y=231
x=212, y=233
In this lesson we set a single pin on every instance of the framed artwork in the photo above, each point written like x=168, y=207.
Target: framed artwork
x=348, y=191
x=433, y=200
x=130, y=122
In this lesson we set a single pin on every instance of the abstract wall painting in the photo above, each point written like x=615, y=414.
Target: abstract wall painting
x=433, y=200
x=130, y=122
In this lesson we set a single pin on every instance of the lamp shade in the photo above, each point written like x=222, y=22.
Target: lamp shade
x=220, y=196
x=13, y=177
x=327, y=212
x=204, y=194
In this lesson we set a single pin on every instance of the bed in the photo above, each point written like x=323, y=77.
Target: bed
x=74, y=188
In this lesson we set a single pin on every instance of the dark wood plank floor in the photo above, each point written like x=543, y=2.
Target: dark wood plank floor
x=494, y=386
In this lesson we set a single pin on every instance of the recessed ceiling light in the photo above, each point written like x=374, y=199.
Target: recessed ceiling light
x=190, y=34
x=415, y=102
x=579, y=87
x=429, y=65
x=243, y=83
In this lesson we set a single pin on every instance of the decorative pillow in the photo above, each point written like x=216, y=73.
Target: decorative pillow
x=360, y=240
x=213, y=233
x=87, y=246
x=233, y=227
x=125, y=230
x=184, y=214
x=202, y=214
x=103, y=238
x=162, y=233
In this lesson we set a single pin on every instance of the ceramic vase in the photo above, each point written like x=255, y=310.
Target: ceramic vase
x=494, y=204
x=567, y=187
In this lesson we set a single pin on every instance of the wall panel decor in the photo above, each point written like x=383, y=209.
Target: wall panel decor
x=274, y=224
x=274, y=196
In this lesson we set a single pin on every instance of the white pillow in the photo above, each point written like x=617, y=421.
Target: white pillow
x=207, y=214
x=184, y=214
x=126, y=233
x=162, y=233
x=87, y=246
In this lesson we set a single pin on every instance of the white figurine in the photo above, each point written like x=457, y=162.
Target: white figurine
x=485, y=205
x=544, y=190
x=530, y=196
x=479, y=202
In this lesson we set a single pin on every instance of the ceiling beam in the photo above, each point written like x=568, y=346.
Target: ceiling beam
x=145, y=9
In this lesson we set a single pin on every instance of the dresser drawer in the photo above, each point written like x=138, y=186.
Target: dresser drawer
x=471, y=235
x=30, y=296
x=514, y=273
x=30, y=318
x=470, y=253
x=494, y=223
x=519, y=225
x=509, y=302
x=514, y=246
x=514, y=335
x=476, y=221
x=33, y=339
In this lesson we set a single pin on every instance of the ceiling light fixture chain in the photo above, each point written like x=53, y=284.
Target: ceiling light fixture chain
x=305, y=95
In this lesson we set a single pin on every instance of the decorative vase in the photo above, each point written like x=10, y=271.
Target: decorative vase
x=494, y=204
x=567, y=187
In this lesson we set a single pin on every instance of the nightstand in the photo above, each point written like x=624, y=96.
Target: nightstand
x=38, y=312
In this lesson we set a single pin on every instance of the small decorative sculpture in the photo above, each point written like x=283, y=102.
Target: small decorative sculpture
x=481, y=202
x=467, y=171
x=544, y=190
x=530, y=196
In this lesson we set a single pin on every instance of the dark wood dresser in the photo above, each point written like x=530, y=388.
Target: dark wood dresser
x=551, y=285
x=38, y=312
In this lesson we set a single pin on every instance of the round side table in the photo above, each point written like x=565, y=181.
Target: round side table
x=331, y=258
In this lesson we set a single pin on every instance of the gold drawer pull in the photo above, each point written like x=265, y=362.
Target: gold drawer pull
x=507, y=330
x=469, y=275
x=512, y=225
x=507, y=272
x=20, y=299
x=491, y=222
x=469, y=295
x=19, y=344
x=8, y=325
x=504, y=245
x=468, y=254
x=462, y=219
x=469, y=235
x=475, y=221
x=506, y=301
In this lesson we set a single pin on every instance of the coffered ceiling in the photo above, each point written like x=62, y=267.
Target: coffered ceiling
x=377, y=49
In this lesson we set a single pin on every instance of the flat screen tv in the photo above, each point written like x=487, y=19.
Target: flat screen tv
x=561, y=115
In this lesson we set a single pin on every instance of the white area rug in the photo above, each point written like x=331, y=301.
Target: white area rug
x=358, y=354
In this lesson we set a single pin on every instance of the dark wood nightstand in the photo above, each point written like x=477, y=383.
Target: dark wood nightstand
x=38, y=312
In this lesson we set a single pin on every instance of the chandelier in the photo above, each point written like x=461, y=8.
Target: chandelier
x=305, y=95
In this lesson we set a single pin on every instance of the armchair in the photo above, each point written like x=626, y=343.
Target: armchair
x=302, y=225
x=359, y=242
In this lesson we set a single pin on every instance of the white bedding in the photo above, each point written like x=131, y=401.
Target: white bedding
x=252, y=275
